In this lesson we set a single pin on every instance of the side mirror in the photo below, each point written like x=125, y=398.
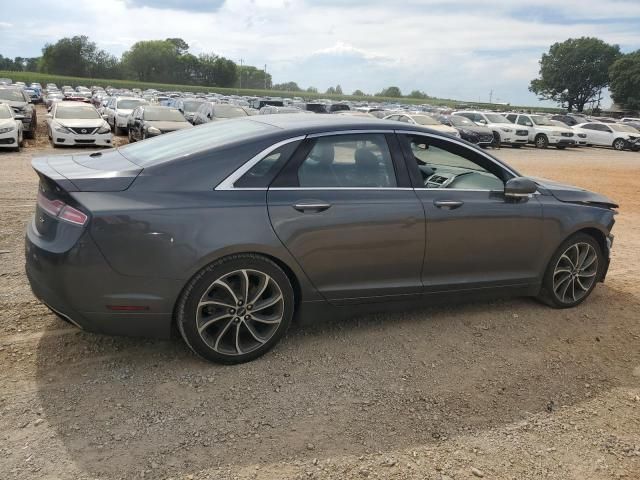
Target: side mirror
x=105, y=116
x=19, y=117
x=520, y=187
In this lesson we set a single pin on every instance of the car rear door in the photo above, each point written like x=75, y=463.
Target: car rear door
x=476, y=237
x=344, y=208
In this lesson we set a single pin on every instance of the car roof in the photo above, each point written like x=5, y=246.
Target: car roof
x=73, y=104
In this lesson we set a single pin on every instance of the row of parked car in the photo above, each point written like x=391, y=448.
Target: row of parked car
x=89, y=116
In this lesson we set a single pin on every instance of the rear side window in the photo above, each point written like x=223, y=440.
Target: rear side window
x=262, y=173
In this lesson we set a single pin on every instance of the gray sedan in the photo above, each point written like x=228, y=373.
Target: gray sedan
x=228, y=230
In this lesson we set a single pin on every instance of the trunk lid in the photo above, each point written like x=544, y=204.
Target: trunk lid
x=106, y=171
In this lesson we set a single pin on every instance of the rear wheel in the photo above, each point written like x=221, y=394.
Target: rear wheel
x=560, y=147
x=542, y=141
x=619, y=144
x=130, y=136
x=573, y=272
x=236, y=309
x=496, y=140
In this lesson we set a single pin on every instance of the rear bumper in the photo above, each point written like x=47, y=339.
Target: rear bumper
x=80, y=286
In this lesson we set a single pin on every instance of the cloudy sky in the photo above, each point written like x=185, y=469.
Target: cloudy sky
x=460, y=49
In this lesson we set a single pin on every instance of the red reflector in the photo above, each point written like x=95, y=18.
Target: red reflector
x=58, y=208
x=72, y=215
x=50, y=206
x=128, y=308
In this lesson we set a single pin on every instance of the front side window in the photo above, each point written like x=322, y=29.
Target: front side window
x=522, y=120
x=348, y=161
x=442, y=164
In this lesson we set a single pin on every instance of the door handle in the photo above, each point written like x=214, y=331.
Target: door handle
x=448, y=204
x=312, y=206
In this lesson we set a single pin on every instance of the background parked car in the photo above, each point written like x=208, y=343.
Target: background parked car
x=424, y=121
x=188, y=107
x=22, y=106
x=11, y=134
x=118, y=110
x=620, y=137
x=469, y=131
x=150, y=120
x=504, y=132
x=77, y=123
x=211, y=112
x=543, y=133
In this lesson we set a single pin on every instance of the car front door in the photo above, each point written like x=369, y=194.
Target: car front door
x=344, y=208
x=525, y=122
x=476, y=237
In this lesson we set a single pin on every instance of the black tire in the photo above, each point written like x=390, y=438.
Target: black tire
x=130, y=136
x=619, y=144
x=119, y=131
x=30, y=134
x=560, y=147
x=203, y=283
x=548, y=295
x=496, y=140
x=542, y=141
x=516, y=145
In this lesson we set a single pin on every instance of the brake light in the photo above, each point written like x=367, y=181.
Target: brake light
x=61, y=210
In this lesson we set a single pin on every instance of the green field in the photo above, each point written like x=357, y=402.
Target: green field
x=61, y=80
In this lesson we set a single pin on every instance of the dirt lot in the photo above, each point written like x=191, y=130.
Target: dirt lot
x=505, y=389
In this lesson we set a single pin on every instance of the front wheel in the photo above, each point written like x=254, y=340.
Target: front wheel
x=619, y=144
x=542, y=141
x=516, y=145
x=560, y=147
x=236, y=309
x=573, y=272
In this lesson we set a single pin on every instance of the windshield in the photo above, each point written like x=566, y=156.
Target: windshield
x=191, y=140
x=542, y=121
x=80, y=112
x=11, y=95
x=425, y=120
x=228, y=111
x=496, y=118
x=191, y=106
x=130, y=104
x=163, y=115
x=5, y=111
x=461, y=121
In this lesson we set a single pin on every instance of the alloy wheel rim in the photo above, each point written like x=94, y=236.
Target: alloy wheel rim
x=240, y=312
x=575, y=272
x=540, y=142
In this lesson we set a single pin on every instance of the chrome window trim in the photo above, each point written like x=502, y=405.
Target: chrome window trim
x=349, y=132
x=339, y=188
x=454, y=140
x=227, y=183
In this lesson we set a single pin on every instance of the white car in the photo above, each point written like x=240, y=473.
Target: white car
x=11, y=134
x=581, y=138
x=542, y=132
x=118, y=110
x=423, y=121
x=77, y=123
x=616, y=135
x=504, y=132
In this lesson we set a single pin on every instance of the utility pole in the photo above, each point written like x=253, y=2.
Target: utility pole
x=265, y=76
x=491, y=96
x=240, y=74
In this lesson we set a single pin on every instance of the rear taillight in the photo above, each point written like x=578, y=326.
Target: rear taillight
x=59, y=209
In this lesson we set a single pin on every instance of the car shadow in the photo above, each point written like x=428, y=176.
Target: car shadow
x=377, y=382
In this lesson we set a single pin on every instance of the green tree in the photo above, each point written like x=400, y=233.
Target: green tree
x=418, y=94
x=625, y=81
x=179, y=44
x=312, y=90
x=216, y=71
x=287, y=87
x=573, y=72
x=151, y=60
x=358, y=93
x=76, y=56
x=253, y=77
x=331, y=91
x=393, y=92
x=338, y=89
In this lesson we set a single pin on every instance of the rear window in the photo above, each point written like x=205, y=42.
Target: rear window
x=192, y=140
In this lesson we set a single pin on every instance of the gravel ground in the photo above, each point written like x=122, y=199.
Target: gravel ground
x=506, y=389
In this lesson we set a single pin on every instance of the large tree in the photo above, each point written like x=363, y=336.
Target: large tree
x=151, y=60
x=393, y=92
x=77, y=56
x=574, y=72
x=252, y=77
x=625, y=81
